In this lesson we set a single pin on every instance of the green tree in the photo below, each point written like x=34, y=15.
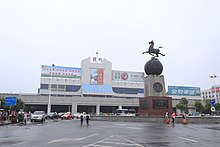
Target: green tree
x=183, y=105
x=207, y=107
x=199, y=107
x=2, y=101
x=217, y=106
x=19, y=105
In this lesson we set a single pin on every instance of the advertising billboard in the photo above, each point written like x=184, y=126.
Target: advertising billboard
x=127, y=76
x=96, y=76
x=215, y=88
x=60, y=72
x=184, y=91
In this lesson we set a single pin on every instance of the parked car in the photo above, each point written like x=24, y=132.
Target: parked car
x=67, y=115
x=61, y=114
x=53, y=115
x=77, y=115
x=38, y=116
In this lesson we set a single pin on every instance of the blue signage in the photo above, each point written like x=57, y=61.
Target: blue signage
x=184, y=91
x=86, y=88
x=212, y=102
x=10, y=101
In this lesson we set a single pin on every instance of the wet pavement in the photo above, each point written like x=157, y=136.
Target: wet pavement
x=69, y=133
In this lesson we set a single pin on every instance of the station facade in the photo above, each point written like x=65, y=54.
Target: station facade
x=95, y=88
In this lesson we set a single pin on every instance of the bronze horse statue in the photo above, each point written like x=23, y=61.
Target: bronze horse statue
x=153, y=51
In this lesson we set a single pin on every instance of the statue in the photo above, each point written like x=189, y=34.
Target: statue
x=153, y=51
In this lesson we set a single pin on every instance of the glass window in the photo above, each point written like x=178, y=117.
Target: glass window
x=72, y=88
x=61, y=87
x=44, y=86
x=54, y=87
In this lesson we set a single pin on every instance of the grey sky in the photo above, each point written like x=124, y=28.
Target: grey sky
x=43, y=32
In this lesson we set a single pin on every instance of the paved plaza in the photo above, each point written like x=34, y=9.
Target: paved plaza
x=69, y=133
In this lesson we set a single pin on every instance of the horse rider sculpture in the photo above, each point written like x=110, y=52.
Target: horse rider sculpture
x=153, y=51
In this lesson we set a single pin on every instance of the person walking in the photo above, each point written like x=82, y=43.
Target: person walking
x=81, y=119
x=173, y=117
x=166, y=117
x=184, y=119
x=87, y=119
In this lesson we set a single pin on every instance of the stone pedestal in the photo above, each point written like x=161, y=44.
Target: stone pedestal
x=155, y=105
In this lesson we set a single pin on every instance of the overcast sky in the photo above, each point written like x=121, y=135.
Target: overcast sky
x=64, y=32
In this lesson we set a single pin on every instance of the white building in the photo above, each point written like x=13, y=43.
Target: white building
x=95, y=88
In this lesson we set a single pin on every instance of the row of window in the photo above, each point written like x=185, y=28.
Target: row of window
x=103, y=96
x=73, y=88
x=213, y=96
x=55, y=87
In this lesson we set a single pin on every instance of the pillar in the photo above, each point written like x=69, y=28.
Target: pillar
x=97, y=109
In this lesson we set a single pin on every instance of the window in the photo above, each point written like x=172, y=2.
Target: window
x=54, y=87
x=61, y=87
x=127, y=90
x=44, y=86
x=72, y=88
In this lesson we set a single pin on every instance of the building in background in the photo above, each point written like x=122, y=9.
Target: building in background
x=212, y=93
x=96, y=88
x=190, y=93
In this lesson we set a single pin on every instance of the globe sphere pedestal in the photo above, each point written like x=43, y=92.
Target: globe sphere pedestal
x=153, y=67
x=155, y=102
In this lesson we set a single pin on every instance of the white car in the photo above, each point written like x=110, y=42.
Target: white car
x=38, y=116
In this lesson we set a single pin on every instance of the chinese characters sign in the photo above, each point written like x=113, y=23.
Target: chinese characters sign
x=184, y=91
x=60, y=72
x=215, y=88
x=127, y=76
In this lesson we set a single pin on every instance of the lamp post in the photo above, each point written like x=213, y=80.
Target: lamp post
x=213, y=77
x=49, y=99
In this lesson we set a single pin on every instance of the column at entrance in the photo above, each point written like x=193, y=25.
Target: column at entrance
x=74, y=108
x=120, y=106
x=97, y=109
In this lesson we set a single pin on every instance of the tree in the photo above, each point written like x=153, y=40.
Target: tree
x=199, y=107
x=19, y=105
x=183, y=105
x=217, y=107
x=207, y=107
x=2, y=101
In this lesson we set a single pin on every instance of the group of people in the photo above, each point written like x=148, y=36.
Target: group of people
x=86, y=117
x=173, y=116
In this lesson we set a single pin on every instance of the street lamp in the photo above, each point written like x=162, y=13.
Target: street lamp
x=49, y=103
x=215, y=96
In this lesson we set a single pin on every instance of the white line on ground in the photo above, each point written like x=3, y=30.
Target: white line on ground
x=130, y=141
x=191, y=140
x=111, y=141
x=71, y=139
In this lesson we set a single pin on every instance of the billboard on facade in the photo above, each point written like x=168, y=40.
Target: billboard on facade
x=184, y=91
x=96, y=76
x=215, y=88
x=60, y=72
x=127, y=76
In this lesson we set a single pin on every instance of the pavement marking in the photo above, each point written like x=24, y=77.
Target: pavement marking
x=70, y=139
x=11, y=138
x=135, y=128
x=114, y=140
x=130, y=141
x=191, y=140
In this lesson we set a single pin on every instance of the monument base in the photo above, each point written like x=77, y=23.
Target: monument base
x=155, y=106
